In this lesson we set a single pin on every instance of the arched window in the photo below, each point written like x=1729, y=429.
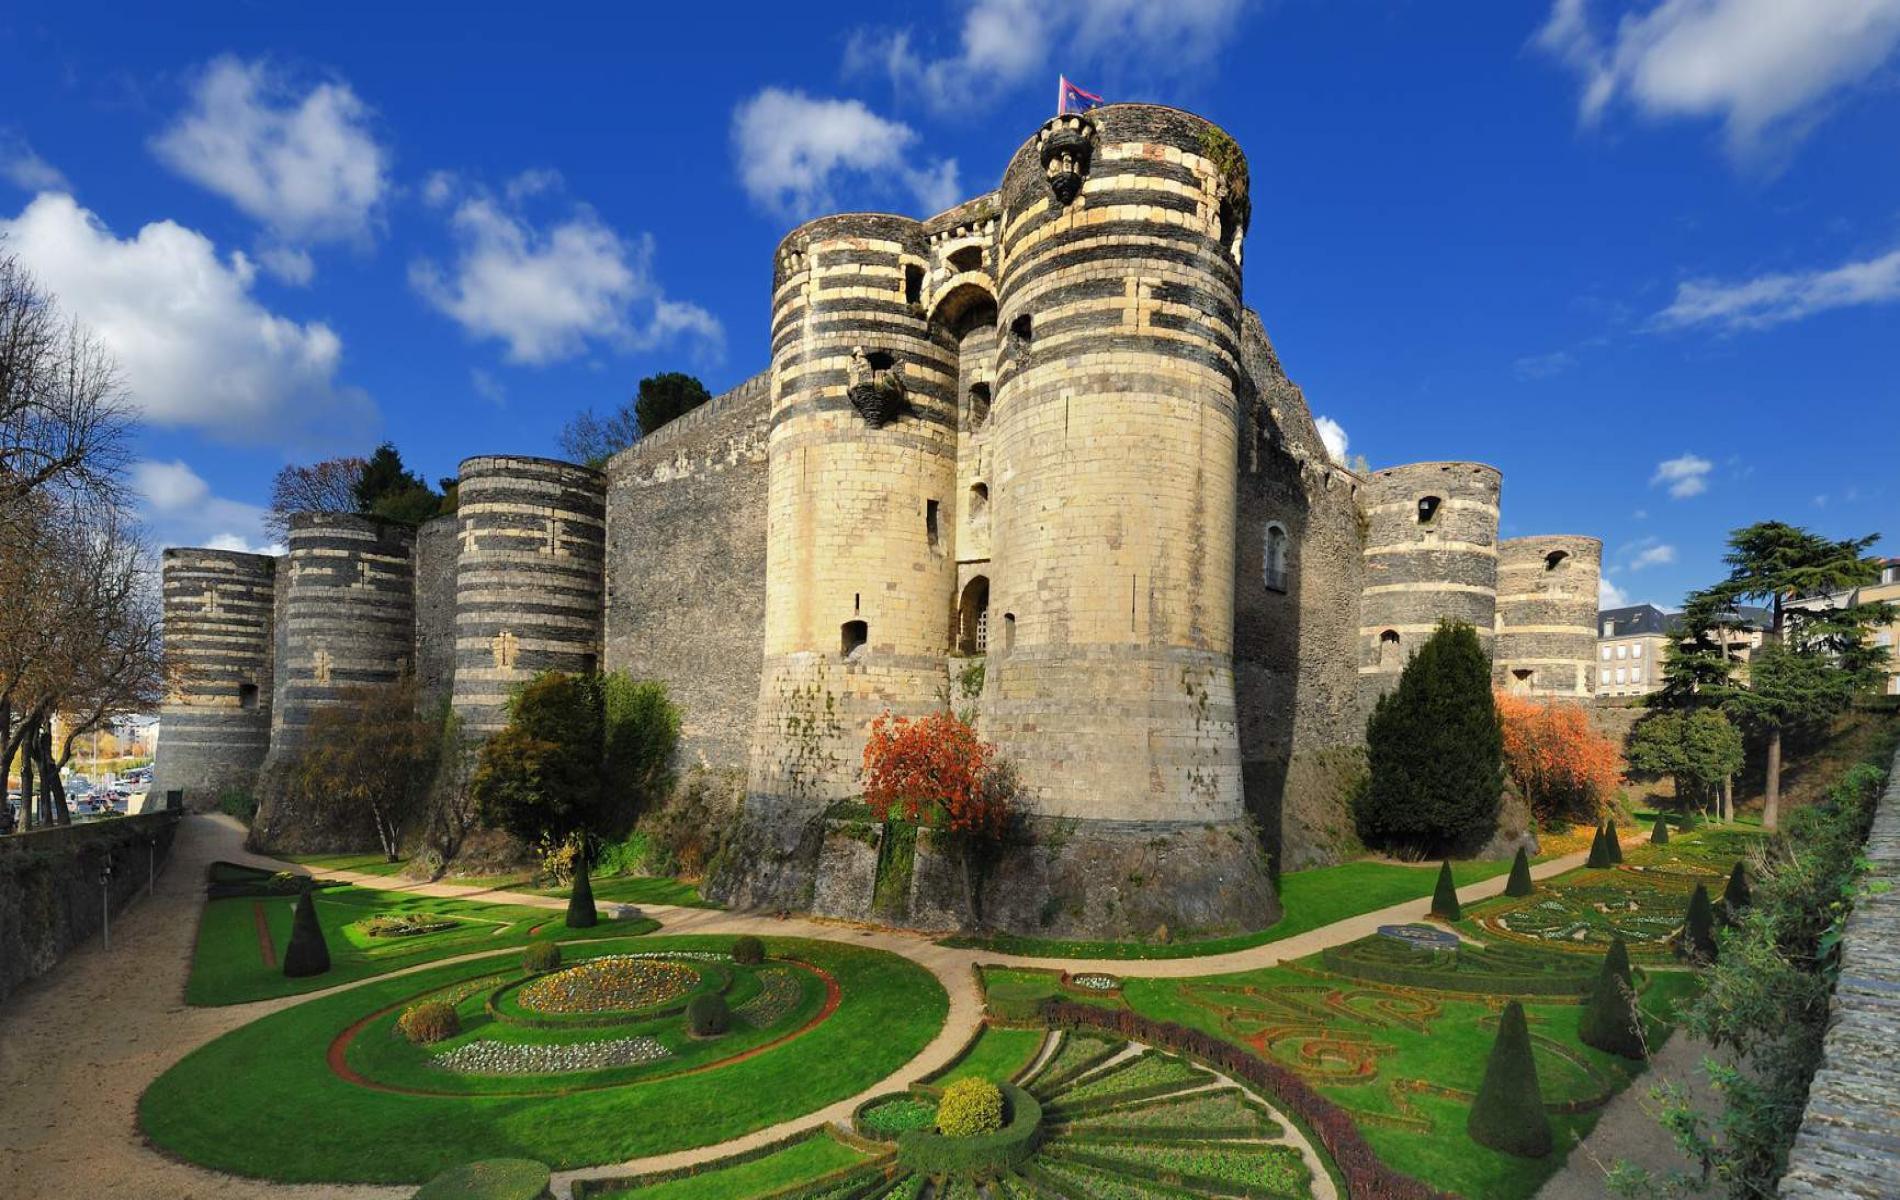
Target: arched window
x=970, y=258
x=1556, y=560
x=979, y=503
x=852, y=637
x=1274, y=558
x=979, y=406
x=913, y=284
x=973, y=617
x=1389, y=650
x=1428, y=509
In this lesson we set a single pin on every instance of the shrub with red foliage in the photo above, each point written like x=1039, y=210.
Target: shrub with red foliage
x=936, y=771
x=1562, y=767
x=1365, y=1175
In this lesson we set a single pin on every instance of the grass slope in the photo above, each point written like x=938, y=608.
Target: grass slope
x=261, y=1101
x=801, y=1162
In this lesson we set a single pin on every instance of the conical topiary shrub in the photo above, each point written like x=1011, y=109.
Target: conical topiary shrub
x=1445, y=896
x=1612, y=844
x=1610, y=1020
x=1508, y=1114
x=1698, y=929
x=1659, y=836
x=1519, y=884
x=308, y=954
x=1599, y=852
x=1736, y=896
x=580, y=901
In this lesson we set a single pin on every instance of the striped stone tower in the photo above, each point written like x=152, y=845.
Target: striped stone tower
x=860, y=562
x=214, y=729
x=1431, y=554
x=529, y=578
x=1110, y=669
x=348, y=617
x=1547, y=615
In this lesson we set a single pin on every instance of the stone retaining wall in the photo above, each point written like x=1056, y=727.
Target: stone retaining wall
x=1847, y=1145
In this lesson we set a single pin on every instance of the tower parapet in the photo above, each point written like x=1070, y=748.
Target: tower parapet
x=529, y=578
x=214, y=729
x=1547, y=610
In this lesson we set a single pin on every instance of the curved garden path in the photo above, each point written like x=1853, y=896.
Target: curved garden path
x=79, y=1046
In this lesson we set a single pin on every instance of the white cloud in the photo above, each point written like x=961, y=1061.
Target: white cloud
x=1779, y=298
x=1641, y=514
x=1765, y=68
x=793, y=151
x=302, y=162
x=288, y=264
x=25, y=169
x=1654, y=554
x=487, y=387
x=180, y=508
x=193, y=344
x=549, y=293
x=1686, y=475
x=1609, y=595
x=1005, y=43
x=1333, y=434
x=1543, y=366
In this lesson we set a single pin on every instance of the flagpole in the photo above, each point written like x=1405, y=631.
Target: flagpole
x=1062, y=93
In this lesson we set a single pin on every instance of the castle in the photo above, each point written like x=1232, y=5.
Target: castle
x=1029, y=458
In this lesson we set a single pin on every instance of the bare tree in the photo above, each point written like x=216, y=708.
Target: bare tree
x=368, y=756
x=324, y=487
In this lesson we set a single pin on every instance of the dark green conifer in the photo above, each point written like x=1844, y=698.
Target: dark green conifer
x=1599, y=852
x=1611, y=1020
x=580, y=901
x=1519, y=884
x=1612, y=844
x=1698, y=930
x=1660, y=835
x=1445, y=896
x=1736, y=896
x=308, y=954
x=1508, y=1114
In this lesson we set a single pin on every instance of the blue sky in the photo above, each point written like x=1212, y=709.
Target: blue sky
x=1644, y=257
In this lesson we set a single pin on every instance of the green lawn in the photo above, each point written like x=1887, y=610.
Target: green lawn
x=227, y=965
x=1311, y=898
x=997, y=1056
x=801, y=1162
x=262, y=1101
x=365, y=864
x=638, y=889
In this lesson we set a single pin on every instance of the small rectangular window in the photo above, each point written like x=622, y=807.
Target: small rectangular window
x=1636, y=651
x=1621, y=675
x=1622, y=651
x=931, y=526
x=1606, y=654
x=1603, y=675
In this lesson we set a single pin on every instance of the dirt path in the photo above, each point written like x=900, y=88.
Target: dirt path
x=1627, y=1131
x=100, y=1028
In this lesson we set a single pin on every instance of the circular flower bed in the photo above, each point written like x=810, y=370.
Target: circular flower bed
x=617, y=983
x=551, y=1058
x=1095, y=981
x=405, y=924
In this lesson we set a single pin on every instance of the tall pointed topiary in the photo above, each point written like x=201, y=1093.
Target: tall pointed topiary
x=580, y=901
x=1698, y=929
x=1445, y=896
x=1736, y=896
x=1612, y=844
x=1599, y=852
x=308, y=954
x=1610, y=1020
x=1659, y=836
x=1519, y=884
x=1508, y=1114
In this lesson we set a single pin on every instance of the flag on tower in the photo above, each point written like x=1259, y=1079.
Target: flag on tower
x=1070, y=98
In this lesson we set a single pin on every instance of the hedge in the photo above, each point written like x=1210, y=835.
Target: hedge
x=589, y=1189
x=1363, y=1174
x=931, y=1153
x=1442, y=981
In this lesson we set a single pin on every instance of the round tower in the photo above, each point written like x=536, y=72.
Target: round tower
x=1431, y=555
x=348, y=618
x=214, y=728
x=1547, y=615
x=1110, y=669
x=862, y=501
x=529, y=578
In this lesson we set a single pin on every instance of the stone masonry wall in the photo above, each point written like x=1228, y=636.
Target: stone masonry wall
x=686, y=568
x=214, y=729
x=1547, y=611
x=437, y=544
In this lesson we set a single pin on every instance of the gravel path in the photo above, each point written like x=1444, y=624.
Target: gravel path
x=1627, y=1130
x=78, y=1046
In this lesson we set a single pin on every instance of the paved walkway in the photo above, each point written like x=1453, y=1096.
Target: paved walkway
x=95, y=1032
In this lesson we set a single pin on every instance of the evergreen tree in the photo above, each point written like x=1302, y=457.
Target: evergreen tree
x=580, y=901
x=1698, y=930
x=1599, y=852
x=1611, y=1020
x=1660, y=834
x=1445, y=896
x=1736, y=897
x=1508, y=1114
x=665, y=396
x=308, y=954
x=1612, y=844
x=1434, y=750
x=389, y=490
x=1519, y=884
x=1698, y=749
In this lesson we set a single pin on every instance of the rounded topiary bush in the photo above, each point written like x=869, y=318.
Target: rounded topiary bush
x=707, y=1015
x=430, y=1021
x=308, y=954
x=969, y=1107
x=540, y=958
x=491, y=1179
x=748, y=951
x=1508, y=1114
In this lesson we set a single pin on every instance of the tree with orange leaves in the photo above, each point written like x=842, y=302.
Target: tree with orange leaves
x=934, y=771
x=1563, y=768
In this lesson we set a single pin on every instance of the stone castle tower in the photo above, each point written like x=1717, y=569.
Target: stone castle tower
x=1030, y=459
